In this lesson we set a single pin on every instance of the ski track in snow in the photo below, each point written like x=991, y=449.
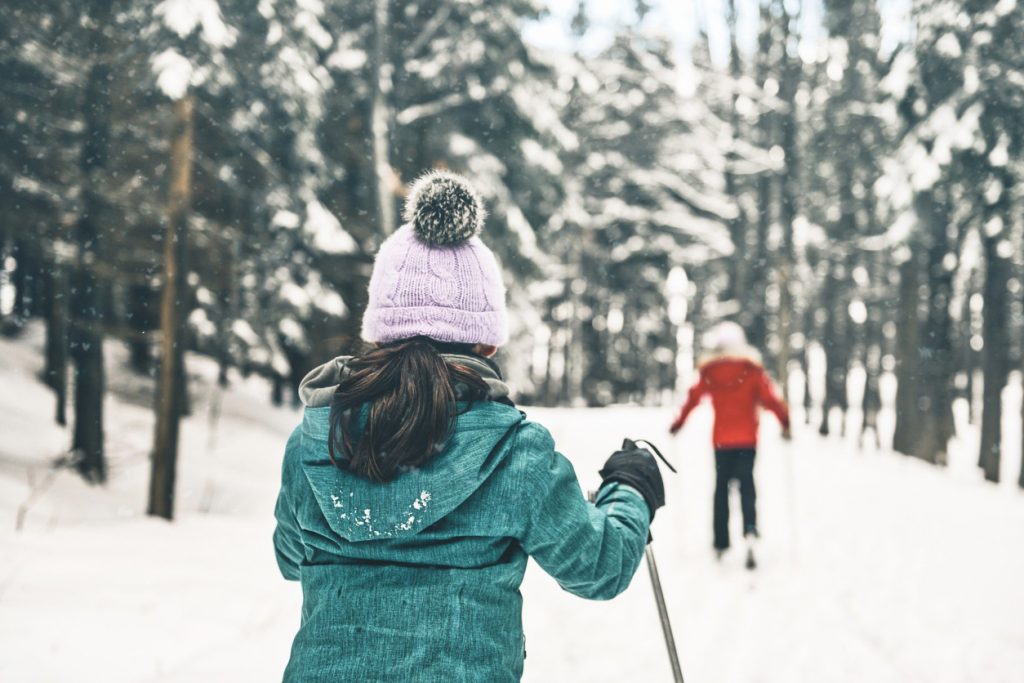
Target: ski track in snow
x=894, y=571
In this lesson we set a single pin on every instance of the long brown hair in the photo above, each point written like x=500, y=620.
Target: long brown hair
x=402, y=400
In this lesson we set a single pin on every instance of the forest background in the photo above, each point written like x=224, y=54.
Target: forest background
x=214, y=177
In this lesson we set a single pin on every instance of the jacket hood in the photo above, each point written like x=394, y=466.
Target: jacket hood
x=739, y=352
x=317, y=388
x=730, y=367
x=358, y=509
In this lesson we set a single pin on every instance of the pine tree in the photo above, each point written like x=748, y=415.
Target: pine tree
x=639, y=204
x=848, y=141
x=952, y=173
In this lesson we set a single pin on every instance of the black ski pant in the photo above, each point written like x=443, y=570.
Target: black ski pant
x=738, y=464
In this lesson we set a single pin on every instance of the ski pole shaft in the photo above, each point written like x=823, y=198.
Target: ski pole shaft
x=794, y=522
x=666, y=625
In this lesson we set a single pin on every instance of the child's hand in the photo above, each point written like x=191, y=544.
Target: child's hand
x=674, y=428
x=787, y=433
x=636, y=467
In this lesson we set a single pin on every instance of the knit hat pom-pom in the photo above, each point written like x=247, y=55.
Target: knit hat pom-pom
x=444, y=209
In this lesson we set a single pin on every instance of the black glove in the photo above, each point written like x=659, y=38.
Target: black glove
x=636, y=467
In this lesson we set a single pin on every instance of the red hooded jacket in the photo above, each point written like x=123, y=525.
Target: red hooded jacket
x=738, y=385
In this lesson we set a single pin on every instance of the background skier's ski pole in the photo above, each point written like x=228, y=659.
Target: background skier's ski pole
x=794, y=522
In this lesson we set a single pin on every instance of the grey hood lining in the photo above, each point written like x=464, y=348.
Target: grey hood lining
x=317, y=388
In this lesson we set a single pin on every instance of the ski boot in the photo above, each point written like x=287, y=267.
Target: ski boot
x=751, y=540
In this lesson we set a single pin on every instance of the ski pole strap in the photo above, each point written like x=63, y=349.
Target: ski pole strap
x=656, y=452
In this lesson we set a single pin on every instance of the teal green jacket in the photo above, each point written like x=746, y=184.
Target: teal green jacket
x=418, y=579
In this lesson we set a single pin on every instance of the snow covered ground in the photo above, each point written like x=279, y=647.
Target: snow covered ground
x=874, y=567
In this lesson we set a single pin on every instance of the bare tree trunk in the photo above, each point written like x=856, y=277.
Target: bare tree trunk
x=575, y=362
x=871, y=402
x=141, y=321
x=757, y=331
x=993, y=359
x=1020, y=478
x=805, y=360
x=967, y=354
x=25, y=278
x=86, y=336
x=740, y=262
x=789, y=197
x=55, y=371
x=550, y=390
x=277, y=390
x=380, y=119
x=228, y=311
x=595, y=372
x=171, y=387
x=836, y=345
x=908, y=424
x=935, y=372
x=565, y=381
x=785, y=327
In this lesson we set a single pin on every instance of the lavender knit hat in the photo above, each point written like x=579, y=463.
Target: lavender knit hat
x=433, y=276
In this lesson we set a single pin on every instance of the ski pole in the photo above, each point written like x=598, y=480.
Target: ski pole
x=659, y=594
x=652, y=568
x=794, y=522
x=659, y=598
x=666, y=624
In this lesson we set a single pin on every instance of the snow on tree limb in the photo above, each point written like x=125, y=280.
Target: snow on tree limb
x=433, y=108
x=326, y=230
x=185, y=16
x=174, y=73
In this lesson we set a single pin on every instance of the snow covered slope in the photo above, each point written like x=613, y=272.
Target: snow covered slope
x=873, y=567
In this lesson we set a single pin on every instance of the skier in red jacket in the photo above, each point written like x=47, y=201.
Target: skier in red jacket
x=732, y=375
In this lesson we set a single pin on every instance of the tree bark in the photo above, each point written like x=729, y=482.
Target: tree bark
x=380, y=119
x=171, y=389
x=739, y=264
x=789, y=198
x=595, y=374
x=55, y=372
x=757, y=333
x=993, y=359
x=277, y=390
x=757, y=330
x=871, y=402
x=228, y=312
x=1020, y=478
x=805, y=361
x=25, y=279
x=907, y=390
x=968, y=356
x=835, y=343
x=936, y=369
x=550, y=390
x=86, y=338
x=140, y=320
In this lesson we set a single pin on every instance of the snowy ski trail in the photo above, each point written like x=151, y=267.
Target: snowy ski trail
x=903, y=572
